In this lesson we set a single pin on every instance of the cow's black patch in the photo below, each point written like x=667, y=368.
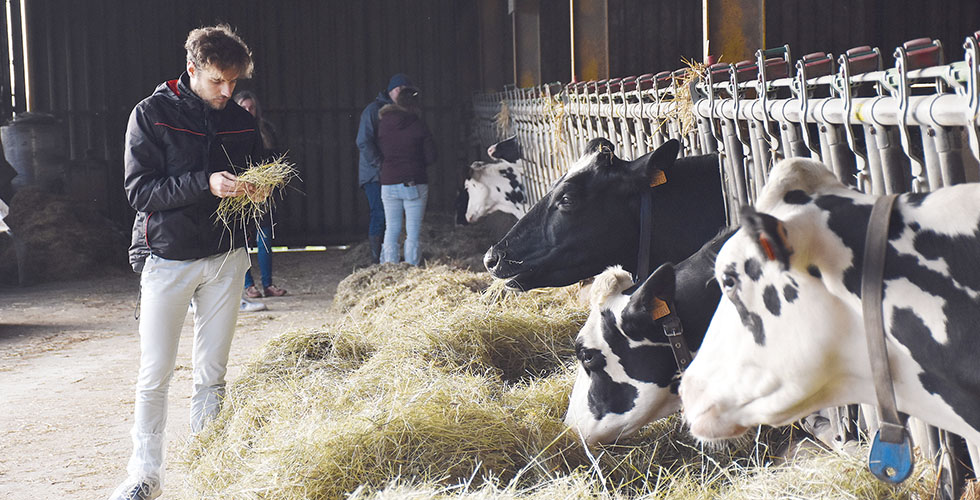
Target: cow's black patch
x=511, y=177
x=915, y=199
x=771, y=298
x=645, y=363
x=797, y=197
x=515, y=197
x=791, y=293
x=849, y=221
x=814, y=271
x=753, y=269
x=914, y=226
x=497, y=188
x=608, y=396
x=959, y=253
x=750, y=320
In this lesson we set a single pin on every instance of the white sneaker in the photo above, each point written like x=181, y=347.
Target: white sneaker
x=251, y=306
x=134, y=489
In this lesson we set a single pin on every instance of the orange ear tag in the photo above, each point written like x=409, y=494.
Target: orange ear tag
x=767, y=248
x=658, y=178
x=660, y=309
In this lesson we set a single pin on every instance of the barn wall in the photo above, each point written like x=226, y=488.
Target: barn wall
x=318, y=62
x=649, y=36
x=837, y=25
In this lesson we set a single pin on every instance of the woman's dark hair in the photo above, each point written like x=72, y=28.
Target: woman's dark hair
x=409, y=99
x=267, y=136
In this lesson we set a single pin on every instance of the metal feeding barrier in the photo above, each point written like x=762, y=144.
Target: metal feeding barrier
x=911, y=127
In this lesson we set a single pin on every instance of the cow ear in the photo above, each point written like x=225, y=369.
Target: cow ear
x=654, y=294
x=769, y=233
x=653, y=166
x=604, y=148
x=610, y=282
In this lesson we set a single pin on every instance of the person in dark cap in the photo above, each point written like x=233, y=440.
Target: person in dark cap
x=369, y=163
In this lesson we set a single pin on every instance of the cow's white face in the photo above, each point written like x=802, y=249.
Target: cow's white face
x=622, y=383
x=479, y=200
x=780, y=344
x=494, y=187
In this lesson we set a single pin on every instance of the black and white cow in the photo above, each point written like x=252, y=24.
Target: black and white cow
x=788, y=336
x=627, y=374
x=590, y=219
x=493, y=187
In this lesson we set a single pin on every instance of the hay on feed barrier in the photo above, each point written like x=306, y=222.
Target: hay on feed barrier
x=268, y=178
x=429, y=387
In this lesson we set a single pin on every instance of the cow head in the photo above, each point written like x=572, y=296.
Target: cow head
x=494, y=187
x=627, y=375
x=585, y=223
x=781, y=343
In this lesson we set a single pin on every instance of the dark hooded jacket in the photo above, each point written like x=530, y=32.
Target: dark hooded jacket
x=406, y=146
x=369, y=161
x=174, y=142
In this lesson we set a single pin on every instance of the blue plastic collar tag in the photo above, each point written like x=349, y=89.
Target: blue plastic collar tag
x=890, y=462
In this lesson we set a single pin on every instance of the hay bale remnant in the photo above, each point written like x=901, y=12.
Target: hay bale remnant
x=61, y=239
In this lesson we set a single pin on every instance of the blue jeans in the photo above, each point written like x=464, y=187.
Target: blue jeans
x=408, y=200
x=262, y=241
x=376, y=226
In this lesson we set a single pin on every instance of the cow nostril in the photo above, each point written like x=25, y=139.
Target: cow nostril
x=491, y=259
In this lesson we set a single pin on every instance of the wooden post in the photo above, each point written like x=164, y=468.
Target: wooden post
x=734, y=29
x=590, y=39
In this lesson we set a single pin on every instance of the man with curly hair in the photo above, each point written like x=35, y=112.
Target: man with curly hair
x=184, y=145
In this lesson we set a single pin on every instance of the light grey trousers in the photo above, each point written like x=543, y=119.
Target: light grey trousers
x=213, y=288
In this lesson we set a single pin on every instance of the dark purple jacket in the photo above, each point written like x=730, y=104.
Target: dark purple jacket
x=406, y=146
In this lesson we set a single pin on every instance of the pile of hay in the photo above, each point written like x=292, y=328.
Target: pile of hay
x=59, y=238
x=429, y=386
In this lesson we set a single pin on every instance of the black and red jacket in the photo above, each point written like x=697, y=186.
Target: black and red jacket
x=174, y=142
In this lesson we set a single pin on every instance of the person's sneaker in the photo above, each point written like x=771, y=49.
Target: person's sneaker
x=274, y=291
x=132, y=489
x=251, y=306
x=253, y=292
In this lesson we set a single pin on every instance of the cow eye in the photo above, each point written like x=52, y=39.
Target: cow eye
x=728, y=282
x=566, y=201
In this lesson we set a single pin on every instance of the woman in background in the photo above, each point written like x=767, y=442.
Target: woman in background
x=247, y=100
x=406, y=147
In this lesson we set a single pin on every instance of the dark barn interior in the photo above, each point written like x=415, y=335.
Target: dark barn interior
x=319, y=62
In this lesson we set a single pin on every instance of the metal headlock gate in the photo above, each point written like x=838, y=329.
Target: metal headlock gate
x=912, y=127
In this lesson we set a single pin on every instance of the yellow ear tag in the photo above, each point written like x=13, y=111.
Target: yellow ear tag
x=658, y=178
x=660, y=309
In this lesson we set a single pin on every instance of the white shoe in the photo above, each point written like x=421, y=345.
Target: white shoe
x=134, y=489
x=251, y=306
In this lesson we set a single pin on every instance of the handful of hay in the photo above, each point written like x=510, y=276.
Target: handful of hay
x=265, y=179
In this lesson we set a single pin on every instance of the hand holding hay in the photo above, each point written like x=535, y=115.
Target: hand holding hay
x=249, y=199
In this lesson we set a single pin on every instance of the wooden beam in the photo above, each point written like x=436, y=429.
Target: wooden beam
x=496, y=40
x=590, y=39
x=734, y=29
x=527, y=43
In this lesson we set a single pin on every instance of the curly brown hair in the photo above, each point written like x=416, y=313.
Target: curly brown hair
x=220, y=47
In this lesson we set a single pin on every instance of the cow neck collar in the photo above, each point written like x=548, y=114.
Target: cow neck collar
x=890, y=458
x=666, y=312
